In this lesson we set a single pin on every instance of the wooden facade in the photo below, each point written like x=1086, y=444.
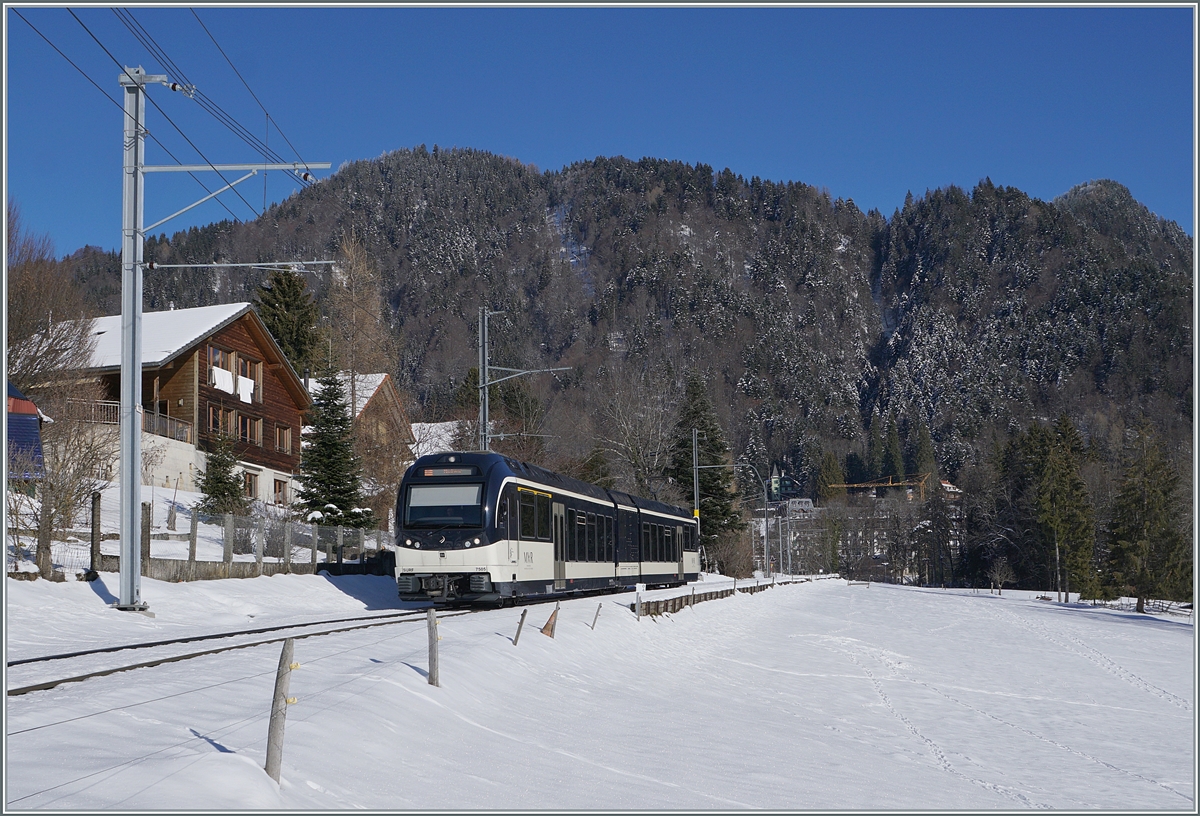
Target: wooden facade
x=187, y=399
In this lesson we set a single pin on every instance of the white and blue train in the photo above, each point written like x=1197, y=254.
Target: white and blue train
x=481, y=527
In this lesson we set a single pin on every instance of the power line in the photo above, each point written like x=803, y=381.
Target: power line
x=239, y=76
x=168, y=118
x=207, y=103
x=115, y=102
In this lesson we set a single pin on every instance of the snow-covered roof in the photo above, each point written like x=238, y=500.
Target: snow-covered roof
x=164, y=334
x=432, y=437
x=365, y=386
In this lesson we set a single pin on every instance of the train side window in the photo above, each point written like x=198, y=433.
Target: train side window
x=608, y=538
x=502, y=516
x=581, y=536
x=528, y=518
x=645, y=555
x=591, y=536
x=543, y=517
x=569, y=536
x=668, y=545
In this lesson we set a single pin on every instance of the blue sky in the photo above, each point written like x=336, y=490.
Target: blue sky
x=870, y=103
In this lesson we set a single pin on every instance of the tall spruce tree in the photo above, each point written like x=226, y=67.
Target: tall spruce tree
x=330, y=472
x=1149, y=554
x=1064, y=511
x=828, y=475
x=289, y=312
x=717, y=491
x=893, y=453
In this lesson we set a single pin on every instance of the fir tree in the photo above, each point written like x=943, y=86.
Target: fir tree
x=224, y=491
x=717, y=493
x=289, y=312
x=1064, y=511
x=829, y=474
x=1149, y=553
x=923, y=460
x=330, y=472
x=893, y=454
x=874, y=460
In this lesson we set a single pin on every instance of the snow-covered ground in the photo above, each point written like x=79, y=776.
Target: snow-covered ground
x=817, y=695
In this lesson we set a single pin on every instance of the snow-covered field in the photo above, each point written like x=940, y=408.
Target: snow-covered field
x=817, y=695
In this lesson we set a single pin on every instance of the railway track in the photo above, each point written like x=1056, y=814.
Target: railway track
x=294, y=630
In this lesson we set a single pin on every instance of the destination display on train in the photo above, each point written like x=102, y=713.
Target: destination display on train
x=450, y=471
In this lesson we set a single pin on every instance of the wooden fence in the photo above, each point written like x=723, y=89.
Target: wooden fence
x=676, y=603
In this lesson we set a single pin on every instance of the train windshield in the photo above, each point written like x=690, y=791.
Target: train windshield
x=444, y=505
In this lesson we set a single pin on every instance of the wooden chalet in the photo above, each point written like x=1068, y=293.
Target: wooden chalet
x=207, y=371
x=383, y=435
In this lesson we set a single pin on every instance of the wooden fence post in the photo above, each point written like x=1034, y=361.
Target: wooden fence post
x=315, y=538
x=279, y=710
x=524, y=612
x=96, y=531
x=287, y=546
x=227, y=554
x=261, y=544
x=433, y=648
x=193, y=535
x=145, y=538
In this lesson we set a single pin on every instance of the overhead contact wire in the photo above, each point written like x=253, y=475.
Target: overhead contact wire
x=119, y=106
x=168, y=118
x=256, y=99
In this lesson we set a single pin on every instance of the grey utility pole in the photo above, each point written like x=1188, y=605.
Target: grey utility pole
x=485, y=436
x=134, y=81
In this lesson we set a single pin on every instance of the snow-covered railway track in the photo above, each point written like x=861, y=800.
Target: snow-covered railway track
x=283, y=632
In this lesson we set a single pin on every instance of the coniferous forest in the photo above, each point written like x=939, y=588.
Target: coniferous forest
x=1037, y=354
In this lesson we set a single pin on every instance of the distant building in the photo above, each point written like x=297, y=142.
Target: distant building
x=24, y=435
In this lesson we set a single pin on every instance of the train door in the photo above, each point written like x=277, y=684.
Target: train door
x=679, y=552
x=558, y=530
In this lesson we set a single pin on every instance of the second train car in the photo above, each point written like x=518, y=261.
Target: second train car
x=481, y=527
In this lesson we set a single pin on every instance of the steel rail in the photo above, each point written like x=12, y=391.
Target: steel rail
x=149, y=644
x=49, y=684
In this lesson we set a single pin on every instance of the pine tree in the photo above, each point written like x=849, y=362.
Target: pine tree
x=829, y=474
x=330, y=472
x=1149, y=553
x=223, y=490
x=717, y=492
x=874, y=461
x=289, y=312
x=1064, y=511
x=923, y=459
x=893, y=454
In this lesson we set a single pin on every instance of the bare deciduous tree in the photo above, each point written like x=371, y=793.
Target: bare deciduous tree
x=638, y=423
x=48, y=331
x=1000, y=572
x=77, y=454
x=362, y=342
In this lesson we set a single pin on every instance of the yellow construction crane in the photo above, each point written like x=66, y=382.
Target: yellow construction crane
x=916, y=480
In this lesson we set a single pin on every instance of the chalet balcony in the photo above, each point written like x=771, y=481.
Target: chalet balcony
x=106, y=412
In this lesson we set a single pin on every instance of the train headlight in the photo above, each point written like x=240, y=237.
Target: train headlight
x=477, y=541
x=467, y=544
x=417, y=545
x=408, y=542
